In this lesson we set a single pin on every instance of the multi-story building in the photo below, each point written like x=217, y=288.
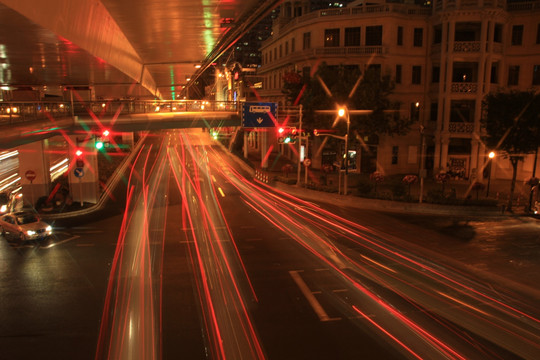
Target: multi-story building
x=444, y=58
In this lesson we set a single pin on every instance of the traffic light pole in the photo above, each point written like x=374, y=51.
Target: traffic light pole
x=299, y=170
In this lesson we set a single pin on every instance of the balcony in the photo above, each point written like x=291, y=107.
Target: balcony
x=467, y=46
x=464, y=87
x=461, y=127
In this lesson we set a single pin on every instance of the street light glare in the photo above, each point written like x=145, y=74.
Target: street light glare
x=341, y=112
x=491, y=155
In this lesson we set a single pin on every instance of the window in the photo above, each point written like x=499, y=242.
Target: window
x=416, y=74
x=307, y=41
x=436, y=74
x=437, y=34
x=293, y=45
x=306, y=73
x=398, y=74
x=536, y=75
x=538, y=34
x=331, y=37
x=418, y=37
x=286, y=48
x=395, y=150
x=433, y=111
x=352, y=36
x=376, y=68
x=513, y=75
x=497, y=33
x=280, y=51
x=494, y=78
x=374, y=35
x=517, y=34
x=275, y=53
x=415, y=111
x=462, y=110
x=400, y=35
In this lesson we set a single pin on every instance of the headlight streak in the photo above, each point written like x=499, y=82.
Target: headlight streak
x=228, y=325
x=254, y=196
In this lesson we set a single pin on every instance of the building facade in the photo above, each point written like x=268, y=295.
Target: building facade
x=444, y=58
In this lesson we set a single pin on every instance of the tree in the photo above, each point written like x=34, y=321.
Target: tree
x=371, y=93
x=511, y=122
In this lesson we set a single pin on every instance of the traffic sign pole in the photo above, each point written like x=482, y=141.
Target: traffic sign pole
x=31, y=175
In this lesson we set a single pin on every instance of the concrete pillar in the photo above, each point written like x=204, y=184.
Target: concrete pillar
x=473, y=167
x=444, y=153
x=127, y=138
x=84, y=180
x=264, y=149
x=34, y=171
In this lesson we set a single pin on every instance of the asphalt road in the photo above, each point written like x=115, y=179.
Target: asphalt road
x=197, y=262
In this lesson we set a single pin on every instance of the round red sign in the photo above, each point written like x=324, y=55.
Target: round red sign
x=30, y=175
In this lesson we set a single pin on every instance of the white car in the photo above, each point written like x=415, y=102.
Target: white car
x=24, y=225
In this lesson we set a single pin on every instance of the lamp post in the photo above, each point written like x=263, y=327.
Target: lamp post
x=491, y=156
x=344, y=113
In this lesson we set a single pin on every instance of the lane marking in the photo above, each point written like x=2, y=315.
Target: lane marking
x=221, y=192
x=317, y=307
x=61, y=242
x=379, y=264
x=463, y=303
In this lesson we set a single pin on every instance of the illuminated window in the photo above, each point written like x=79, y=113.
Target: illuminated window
x=331, y=37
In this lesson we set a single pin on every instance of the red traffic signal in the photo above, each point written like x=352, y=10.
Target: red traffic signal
x=79, y=161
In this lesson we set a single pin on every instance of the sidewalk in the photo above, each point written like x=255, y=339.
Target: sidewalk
x=460, y=189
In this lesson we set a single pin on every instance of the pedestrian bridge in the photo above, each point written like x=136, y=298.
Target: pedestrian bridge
x=23, y=122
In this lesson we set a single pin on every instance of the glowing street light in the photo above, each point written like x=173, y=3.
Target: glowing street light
x=343, y=112
x=491, y=155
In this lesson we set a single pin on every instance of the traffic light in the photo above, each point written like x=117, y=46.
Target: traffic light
x=79, y=161
x=287, y=135
x=103, y=140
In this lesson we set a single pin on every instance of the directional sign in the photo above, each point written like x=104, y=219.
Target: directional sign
x=78, y=172
x=30, y=175
x=258, y=115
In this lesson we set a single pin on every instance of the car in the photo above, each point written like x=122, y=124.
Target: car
x=24, y=226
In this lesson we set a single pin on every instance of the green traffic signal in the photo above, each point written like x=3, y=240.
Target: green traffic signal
x=99, y=145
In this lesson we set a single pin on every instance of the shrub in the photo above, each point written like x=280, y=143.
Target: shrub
x=364, y=186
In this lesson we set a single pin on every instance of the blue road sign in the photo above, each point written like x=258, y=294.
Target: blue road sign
x=258, y=115
x=79, y=172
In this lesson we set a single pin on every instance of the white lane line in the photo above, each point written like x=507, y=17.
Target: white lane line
x=62, y=242
x=221, y=192
x=317, y=307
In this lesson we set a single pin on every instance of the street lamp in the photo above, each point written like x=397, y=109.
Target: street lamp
x=344, y=114
x=491, y=155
